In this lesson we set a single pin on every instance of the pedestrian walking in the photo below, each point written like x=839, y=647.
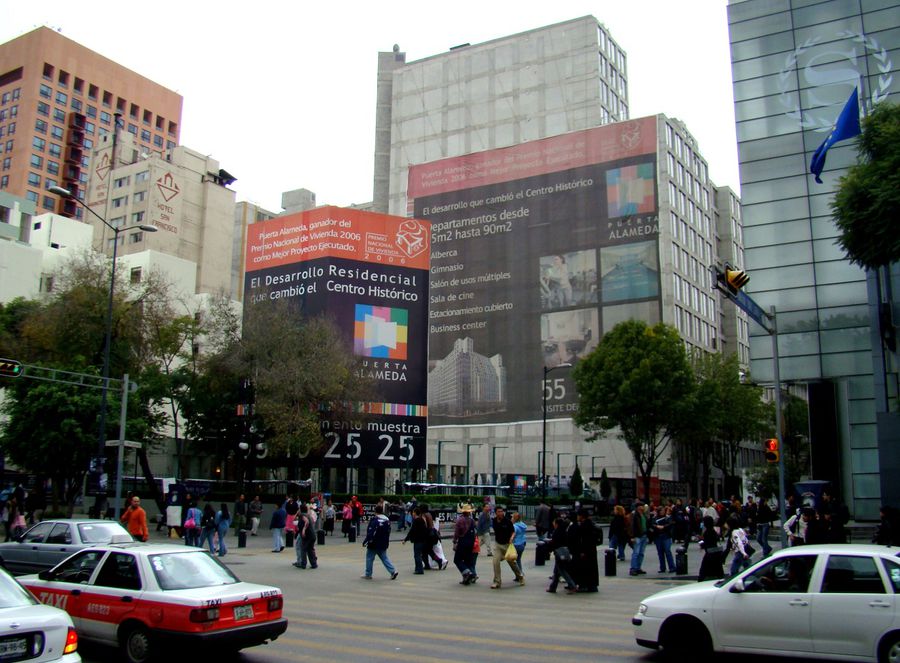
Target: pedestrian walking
x=638, y=540
x=503, y=534
x=663, y=527
x=542, y=520
x=764, y=518
x=208, y=527
x=518, y=541
x=584, y=539
x=306, y=539
x=254, y=512
x=558, y=544
x=618, y=535
x=378, y=538
x=223, y=524
x=437, y=547
x=134, y=519
x=420, y=538
x=463, y=542
x=483, y=529
x=433, y=543
x=239, y=513
x=346, y=518
x=740, y=546
x=192, y=520
x=357, y=509
x=330, y=513
x=712, y=564
x=277, y=524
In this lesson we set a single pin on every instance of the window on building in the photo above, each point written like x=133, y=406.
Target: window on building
x=52, y=167
x=62, y=98
x=49, y=203
x=56, y=132
x=48, y=71
x=45, y=91
x=11, y=129
x=145, y=135
x=120, y=202
x=34, y=179
x=173, y=128
x=139, y=196
x=77, y=105
x=135, y=275
x=46, y=284
x=89, y=128
x=78, y=85
x=117, y=222
x=142, y=176
x=135, y=238
x=91, y=111
x=4, y=181
x=137, y=218
x=38, y=143
x=49, y=182
x=119, y=182
x=59, y=115
x=55, y=150
x=9, y=145
x=36, y=161
x=132, y=129
x=14, y=111
x=93, y=91
x=43, y=108
x=32, y=196
x=107, y=98
x=157, y=141
x=105, y=117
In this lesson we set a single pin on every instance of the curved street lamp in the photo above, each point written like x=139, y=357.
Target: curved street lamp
x=65, y=193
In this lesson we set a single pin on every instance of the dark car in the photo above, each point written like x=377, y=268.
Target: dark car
x=49, y=542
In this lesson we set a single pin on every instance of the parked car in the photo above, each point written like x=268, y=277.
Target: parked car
x=49, y=542
x=149, y=598
x=833, y=601
x=32, y=631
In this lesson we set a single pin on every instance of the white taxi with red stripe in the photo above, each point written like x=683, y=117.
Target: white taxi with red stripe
x=143, y=597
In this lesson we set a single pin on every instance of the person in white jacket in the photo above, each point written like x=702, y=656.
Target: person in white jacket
x=740, y=546
x=796, y=526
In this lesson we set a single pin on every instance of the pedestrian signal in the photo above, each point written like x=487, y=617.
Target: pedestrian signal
x=10, y=368
x=772, y=454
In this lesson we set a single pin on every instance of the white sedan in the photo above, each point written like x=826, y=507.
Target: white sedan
x=30, y=631
x=827, y=601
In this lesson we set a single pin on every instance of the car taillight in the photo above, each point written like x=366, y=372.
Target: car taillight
x=276, y=603
x=71, y=641
x=204, y=614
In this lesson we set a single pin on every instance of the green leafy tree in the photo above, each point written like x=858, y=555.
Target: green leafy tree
x=576, y=483
x=867, y=203
x=638, y=379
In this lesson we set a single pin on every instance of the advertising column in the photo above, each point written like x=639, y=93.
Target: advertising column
x=369, y=273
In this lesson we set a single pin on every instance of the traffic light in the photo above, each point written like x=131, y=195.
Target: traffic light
x=10, y=368
x=772, y=453
x=735, y=278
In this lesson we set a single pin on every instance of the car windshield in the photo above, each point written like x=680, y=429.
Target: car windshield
x=190, y=570
x=12, y=594
x=99, y=532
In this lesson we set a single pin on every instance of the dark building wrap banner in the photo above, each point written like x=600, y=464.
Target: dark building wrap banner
x=537, y=250
x=369, y=273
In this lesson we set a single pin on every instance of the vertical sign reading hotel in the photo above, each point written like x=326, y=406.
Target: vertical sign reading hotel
x=538, y=250
x=369, y=273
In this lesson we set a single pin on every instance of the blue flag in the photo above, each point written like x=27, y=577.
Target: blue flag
x=847, y=126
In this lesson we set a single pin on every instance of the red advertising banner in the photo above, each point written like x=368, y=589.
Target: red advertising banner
x=336, y=232
x=607, y=143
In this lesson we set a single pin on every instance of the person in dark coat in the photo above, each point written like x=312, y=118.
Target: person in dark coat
x=712, y=564
x=558, y=543
x=420, y=537
x=584, y=540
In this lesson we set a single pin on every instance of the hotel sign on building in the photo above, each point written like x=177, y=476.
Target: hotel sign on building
x=538, y=250
x=369, y=274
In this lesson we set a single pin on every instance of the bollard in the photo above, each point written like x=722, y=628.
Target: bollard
x=242, y=538
x=351, y=535
x=320, y=537
x=609, y=562
x=681, y=561
x=541, y=555
x=289, y=539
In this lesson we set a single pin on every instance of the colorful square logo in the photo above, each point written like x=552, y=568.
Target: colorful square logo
x=380, y=331
x=630, y=190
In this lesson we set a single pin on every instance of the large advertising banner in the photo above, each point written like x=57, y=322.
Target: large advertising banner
x=369, y=273
x=538, y=249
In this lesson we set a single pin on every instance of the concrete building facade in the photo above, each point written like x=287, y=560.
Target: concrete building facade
x=794, y=66
x=57, y=99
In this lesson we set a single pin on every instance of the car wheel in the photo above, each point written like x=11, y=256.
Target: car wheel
x=685, y=638
x=137, y=645
x=889, y=651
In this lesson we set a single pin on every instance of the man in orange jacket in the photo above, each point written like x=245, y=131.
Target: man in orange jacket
x=135, y=520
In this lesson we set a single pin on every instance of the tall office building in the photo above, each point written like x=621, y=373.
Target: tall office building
x=794, y=66
x=57, y=98
x=511, y=90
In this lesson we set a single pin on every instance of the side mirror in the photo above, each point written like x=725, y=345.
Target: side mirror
x=47, y=574
x=737, y=587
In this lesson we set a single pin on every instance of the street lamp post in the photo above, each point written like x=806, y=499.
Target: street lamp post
x=540, y=464
x=547, y=371
x=440, y=468
x=558, y=482
x=494, y=461
x=593, y=458
x=65, y=193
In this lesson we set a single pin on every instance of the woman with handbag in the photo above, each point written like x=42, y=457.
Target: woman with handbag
x=713, y=556
x=192, y=526
x=559, y=545
x=740, y=545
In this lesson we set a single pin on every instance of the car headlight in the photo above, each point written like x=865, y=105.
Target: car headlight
x=642, y=609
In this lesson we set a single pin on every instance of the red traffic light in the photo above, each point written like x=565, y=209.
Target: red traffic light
x=771, y=447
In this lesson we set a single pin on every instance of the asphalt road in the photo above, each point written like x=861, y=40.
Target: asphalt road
x=334, y=615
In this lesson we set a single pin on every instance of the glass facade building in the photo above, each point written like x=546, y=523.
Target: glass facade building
x=795, y=64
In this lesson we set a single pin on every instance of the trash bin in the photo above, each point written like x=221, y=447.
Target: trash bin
x=351, y=534
x=242, y=538
x=289, y=539
x=541, y=555
x=609, y=562
x=320, y=537
x=681, y=561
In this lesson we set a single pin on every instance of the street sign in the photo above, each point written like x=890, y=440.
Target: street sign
x=129, y=444
x=751, y=308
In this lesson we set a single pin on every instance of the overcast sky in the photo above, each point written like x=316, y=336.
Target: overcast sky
x=282, y=94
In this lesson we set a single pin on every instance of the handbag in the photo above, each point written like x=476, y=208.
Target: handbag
x=190, y=523
x=476, y=547
x=511, y=553
x=563, y=554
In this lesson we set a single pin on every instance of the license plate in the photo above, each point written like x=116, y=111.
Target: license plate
x=243, y=612
x=13, y=647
